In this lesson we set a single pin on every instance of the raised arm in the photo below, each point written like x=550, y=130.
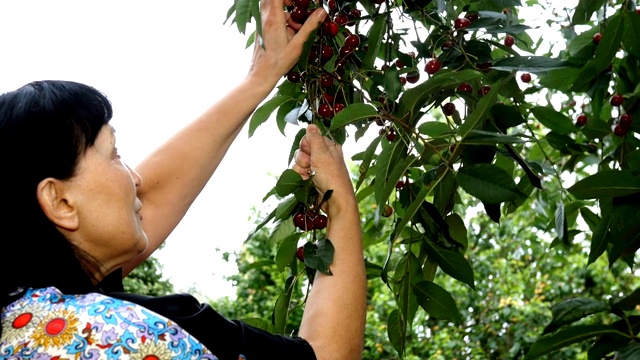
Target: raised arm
x=175, y=173
x=334, y=315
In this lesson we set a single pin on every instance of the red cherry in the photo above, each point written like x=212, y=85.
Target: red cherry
x=346, y=51
x=466, y=87
x=399, y=64
x=329, y=98
x=509, y=41
x=391, y=135
x=299, y=15
x=616, y=100
x=300, y=253
x=400, y=185
x=299, y=220
x=596, y=38
x=326, y=81
x=338, y=107
x=461, y=23
x=327, y=53
x=325, y=110
x=330, y=29
x=387, y=211
x=413, y=77
x=484, y=90
x=320, y=222
x=308, y=220
x=341, y=19
x=448, y=108
x=352, y=40
x=432, y=66
x=332, y=5
x=526, y=77
x=625, y=120
x=619, y=130
x=403, y=80
x=581, y=120
x=354, y=14
x=446, y=46
x=293, y=76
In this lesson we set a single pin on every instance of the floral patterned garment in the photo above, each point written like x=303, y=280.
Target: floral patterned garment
x=44, y=324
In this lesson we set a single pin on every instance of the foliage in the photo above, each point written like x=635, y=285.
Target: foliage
x=467, y=134
x=146, y=279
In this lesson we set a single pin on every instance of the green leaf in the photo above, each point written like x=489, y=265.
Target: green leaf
x=561, y=223
x=629, y=352
x=352, y=113
x=610, y=43
x=260, y=324
x=281, y=308
x=572, y=310
x=433, y=128
x=451, y=261
x=630, y=40
x=488, y=183
x=584, y=10
x=606, y=183
x=288, y=182
x=457, y=229
x=365, y=164
x=243, y=14
x=392, y=85
x=375, y=36
x=481, y=137
x=531, y=64
x=413, y=99
x=385, y=163
x=397, y=331
x=319, y=255
x=264, y=111
x=560, y=79
x=436, y=301
x=565, y=337
x=628, y=302
x=287, y=251
x=553, y=120
x=281, y=231
x=599, y=239
x=285, y=208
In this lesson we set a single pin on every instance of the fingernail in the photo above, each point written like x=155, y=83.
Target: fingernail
x=321, y=14
x=312, y=129
x=241, y=357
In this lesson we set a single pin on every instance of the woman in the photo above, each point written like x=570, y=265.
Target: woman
x=79, y=220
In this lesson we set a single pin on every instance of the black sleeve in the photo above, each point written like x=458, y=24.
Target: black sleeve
x=225, y=338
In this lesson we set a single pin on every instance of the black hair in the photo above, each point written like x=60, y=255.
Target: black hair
x=45, y=129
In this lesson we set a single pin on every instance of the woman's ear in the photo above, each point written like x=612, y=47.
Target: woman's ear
x=56, y=205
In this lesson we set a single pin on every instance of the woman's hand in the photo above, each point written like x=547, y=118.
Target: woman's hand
x=280, y=45
x=322, y=159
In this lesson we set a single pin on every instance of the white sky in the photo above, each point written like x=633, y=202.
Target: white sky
x=161, y=63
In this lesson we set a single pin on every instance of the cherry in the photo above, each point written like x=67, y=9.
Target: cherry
x=581, y=120
x=472, y=16
x=300, y=253
x=333, y=6
x=619, y=130
x=391, y=135
x=378, y=1
x=509, y=41
x=299, y=15
x=304, y=4
x=346, y=51
x=596, y=38
x=446, y=46
x=616, y=100
x=299, y=220
x=338, y=107
x=387, y=211
x=325, y=110
x=448, y=108
x=320, y=222
x=352, y=40
x=461, y=23
x=484, y=90
x=341, y=19
x=330, y=29
x=326, y=81
x=354, y=14
x=399, y=64
x=293, y=76
x=403, y=80
x=526, y=77
x=329, y=98
x=308, y=220
x=466, y=87
x=400, y=185
x=327, y=53
x=432, y=66
x=625, y=120
x=413, y=77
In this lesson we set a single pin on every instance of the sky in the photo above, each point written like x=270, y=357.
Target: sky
x=161, y=63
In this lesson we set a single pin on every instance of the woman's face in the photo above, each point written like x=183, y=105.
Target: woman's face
x=108, y=208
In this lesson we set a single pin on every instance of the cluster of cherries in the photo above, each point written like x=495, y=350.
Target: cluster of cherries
x=310, y=220
x=621, y=125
